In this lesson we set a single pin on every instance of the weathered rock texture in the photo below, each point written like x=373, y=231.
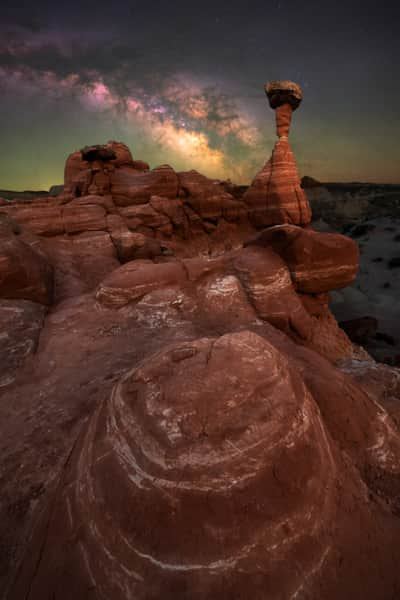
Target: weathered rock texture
x=275, y=195
x=318, y=262
x=24, y=272
x=178, y=404
x=20, y=325
x=212, y=469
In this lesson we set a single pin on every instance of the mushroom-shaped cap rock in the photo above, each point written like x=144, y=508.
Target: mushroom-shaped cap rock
x=283, y=92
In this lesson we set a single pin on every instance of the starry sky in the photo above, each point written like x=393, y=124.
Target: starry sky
x=182, y=83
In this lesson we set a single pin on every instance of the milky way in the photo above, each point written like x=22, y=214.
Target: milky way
x=184, y=86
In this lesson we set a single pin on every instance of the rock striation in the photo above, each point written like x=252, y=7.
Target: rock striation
x=213, y=468
x=318, y=262
x=275, y=195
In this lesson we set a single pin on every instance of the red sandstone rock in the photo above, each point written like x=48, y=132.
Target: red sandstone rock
x=267, y=282
x=314, y=304
x=234, y=211
x=222, y=299
x=262, y=274
x=24, y=273
x=140, y=165
x=83, y=177
x=222, y=433
x=275, y=195
x=80, y=262
x=20, y=325
x=137, y=278
x=129, y=186
x=105, y=201
x=277, y=457
x=90, y=217
x=208, y=198
x=173, y=209
x=123, y=155
x=194, y=184
x=208, y=208
x=329, y=340
x=130, y=246
x=283, y=119
x=318, y=262
x=42, y=218
x=76, y=174
x=143, y=214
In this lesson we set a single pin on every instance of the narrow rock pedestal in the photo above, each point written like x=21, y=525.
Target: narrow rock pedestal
x=275, y=195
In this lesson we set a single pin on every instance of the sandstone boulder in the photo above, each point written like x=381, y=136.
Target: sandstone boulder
x=318, y=262
x=267, y=282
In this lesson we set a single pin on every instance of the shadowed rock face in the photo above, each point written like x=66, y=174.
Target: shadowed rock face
x=92, y=153
x=20, y=325
x=24, y=272
x=318, y=262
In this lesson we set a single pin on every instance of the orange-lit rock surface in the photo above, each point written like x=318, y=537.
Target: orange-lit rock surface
x=275, y=195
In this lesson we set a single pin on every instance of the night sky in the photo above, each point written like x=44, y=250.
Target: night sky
x=182, y=83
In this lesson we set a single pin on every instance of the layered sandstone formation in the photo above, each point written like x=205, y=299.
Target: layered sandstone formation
x=184, y=415
x=212, y=468
x=275, y=195
x=24, y=271
x=116, y=209
x=318, y=262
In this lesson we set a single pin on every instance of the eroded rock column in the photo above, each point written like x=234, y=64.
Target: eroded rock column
x=275, y=195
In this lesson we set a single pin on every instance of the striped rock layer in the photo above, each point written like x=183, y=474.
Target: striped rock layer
x=275, y=195
x=318, y=262
x=210, y=473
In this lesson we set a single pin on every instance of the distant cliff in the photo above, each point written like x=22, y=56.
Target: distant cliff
x=31, y=194
x=337, y=203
